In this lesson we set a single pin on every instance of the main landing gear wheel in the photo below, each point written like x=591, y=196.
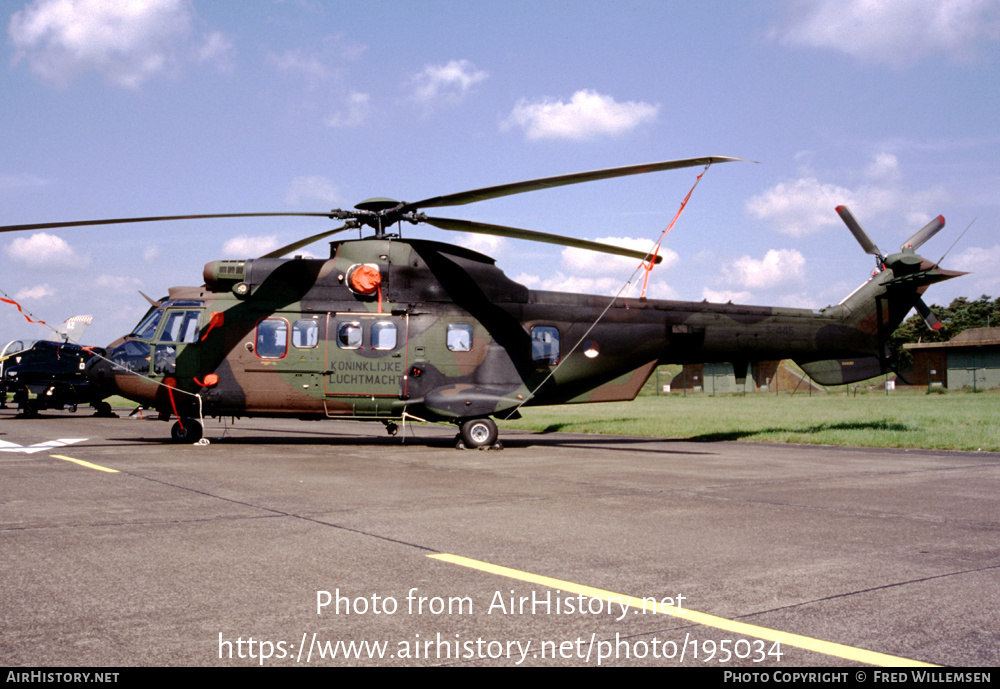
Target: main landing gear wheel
x=186, y=431
x=478, y=433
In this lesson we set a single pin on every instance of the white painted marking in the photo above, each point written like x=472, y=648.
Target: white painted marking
x=7, y=446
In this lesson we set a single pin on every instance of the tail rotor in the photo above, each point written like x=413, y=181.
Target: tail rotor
x=906, y=263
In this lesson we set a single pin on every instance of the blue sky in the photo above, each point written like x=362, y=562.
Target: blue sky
x=179, y=106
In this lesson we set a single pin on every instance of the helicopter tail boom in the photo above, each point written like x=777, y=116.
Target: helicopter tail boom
x=874, y=311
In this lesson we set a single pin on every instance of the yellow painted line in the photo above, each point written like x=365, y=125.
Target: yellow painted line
x=785, y=638
x=85, y=464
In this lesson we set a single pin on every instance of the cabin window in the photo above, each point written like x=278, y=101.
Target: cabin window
x=349, y=335
x=545, y=345
x=305, y=334
x=459, y=337
x=384, y=335
x=272, y=338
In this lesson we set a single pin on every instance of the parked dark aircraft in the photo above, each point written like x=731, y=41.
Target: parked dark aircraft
x=51, y=375
x=47, y=374
x=388, y=327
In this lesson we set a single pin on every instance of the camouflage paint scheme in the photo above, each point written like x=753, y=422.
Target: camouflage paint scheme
x=279, y=337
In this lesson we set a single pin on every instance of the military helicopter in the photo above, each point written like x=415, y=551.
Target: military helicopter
x=388, y=328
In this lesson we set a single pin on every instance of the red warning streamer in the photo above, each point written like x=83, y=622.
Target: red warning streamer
x=169, y=384
x=26, y=316
x=648, y=265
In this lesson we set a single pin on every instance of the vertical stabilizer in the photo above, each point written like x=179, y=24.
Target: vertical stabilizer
x=72, y=328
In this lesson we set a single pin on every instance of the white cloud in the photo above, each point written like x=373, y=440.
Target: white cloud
x=42, y=249
x=893, y=32
x=590, y=272
x=22, y=181
x=116, y=283
x=982, y=262
x=724, y=296
x=776, y=273
x=588, y=114
x=449, y=82
x=585, y=262
x=800, y=207
x=655, y=289
x=249, y=247
x=325, y=76
x=778, y=268
x=321, y=64
x=127, y=42
x=603, y=286
x=356, y=110
x=151, y=253
x=307, y=190
x=217, y=49
x=806, y=206
x=300, y=62
x=488, y=244
x=799, y=301
x=36, y=292
x=883, y=169
x=976, y=259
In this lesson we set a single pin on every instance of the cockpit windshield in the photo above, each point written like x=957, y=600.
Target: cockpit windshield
x=147, y=328
x=180, y=328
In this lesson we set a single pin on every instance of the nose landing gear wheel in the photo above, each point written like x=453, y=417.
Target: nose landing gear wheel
x=476, y=433
x=186, y=431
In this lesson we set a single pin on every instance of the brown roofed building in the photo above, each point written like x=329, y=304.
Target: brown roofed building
x=970, y=359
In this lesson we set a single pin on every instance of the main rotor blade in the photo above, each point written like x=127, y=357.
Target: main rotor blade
x=278, y=253
x=924, y=233
x=863, y=239
x=532, y=235
x=464, y=197
x=118, y=221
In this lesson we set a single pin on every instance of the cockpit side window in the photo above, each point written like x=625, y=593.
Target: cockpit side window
x=190, y=327
x=180, y=326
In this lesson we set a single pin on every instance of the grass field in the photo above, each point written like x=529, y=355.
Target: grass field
x=955, y=420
